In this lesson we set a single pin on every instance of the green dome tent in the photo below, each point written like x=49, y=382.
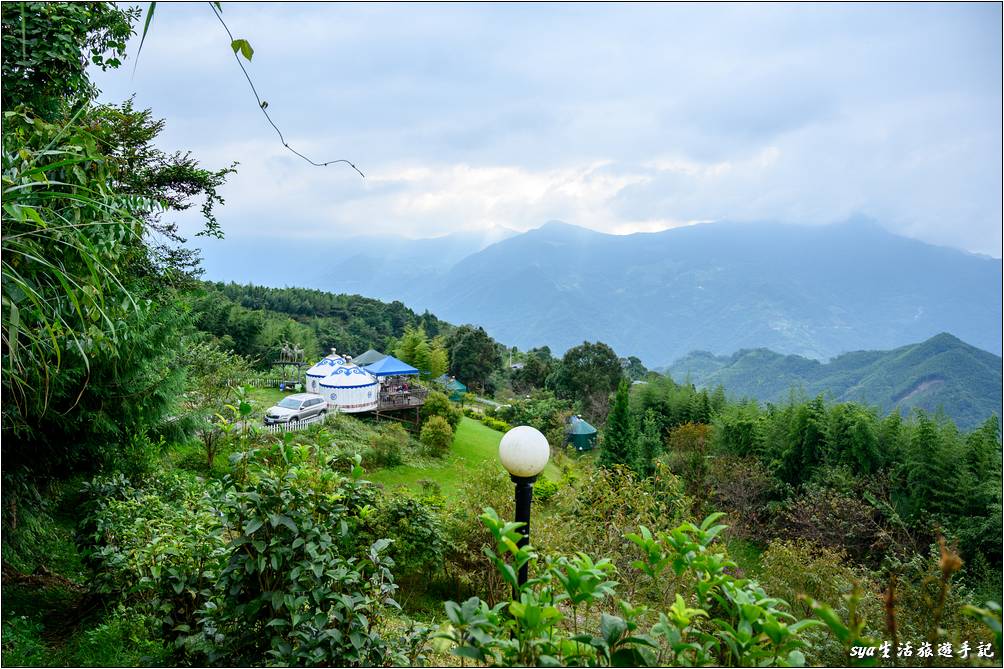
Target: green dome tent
x=456, y=389
x=581, y=435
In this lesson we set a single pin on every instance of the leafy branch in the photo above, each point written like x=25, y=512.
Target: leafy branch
x=242, y=47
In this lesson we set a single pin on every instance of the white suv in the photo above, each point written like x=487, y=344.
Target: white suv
x=296, y=407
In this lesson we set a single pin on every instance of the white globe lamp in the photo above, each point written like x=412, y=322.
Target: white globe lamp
x=524, y=452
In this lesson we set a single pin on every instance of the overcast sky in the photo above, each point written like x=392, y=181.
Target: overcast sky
x=620, y=118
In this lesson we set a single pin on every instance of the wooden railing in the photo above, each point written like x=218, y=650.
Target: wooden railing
x=391, y=400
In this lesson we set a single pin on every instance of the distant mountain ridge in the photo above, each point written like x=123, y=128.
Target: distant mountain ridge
x=815, y=291
x=941, y=373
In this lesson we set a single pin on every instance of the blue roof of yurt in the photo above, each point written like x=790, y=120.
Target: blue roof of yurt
x=348, y=376
x=391, y=366
x=325, y=365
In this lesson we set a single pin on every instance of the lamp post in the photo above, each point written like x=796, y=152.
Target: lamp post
x=524, y=452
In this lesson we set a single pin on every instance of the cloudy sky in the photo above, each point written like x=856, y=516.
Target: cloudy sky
x=620, y=118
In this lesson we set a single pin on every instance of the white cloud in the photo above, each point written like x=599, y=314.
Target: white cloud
x=617, y=117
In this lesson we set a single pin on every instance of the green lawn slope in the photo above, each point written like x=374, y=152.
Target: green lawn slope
x=475, y=446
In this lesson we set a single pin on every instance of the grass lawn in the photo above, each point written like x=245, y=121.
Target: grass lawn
x=474, y=446
x=263, y=398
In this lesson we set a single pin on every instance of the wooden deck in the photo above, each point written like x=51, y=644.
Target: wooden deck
x=402, y=406
x=395, y=401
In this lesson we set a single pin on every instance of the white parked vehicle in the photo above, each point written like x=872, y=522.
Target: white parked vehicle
x=296, y=407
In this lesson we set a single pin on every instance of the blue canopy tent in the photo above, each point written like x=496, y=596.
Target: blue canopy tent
x=390, y=366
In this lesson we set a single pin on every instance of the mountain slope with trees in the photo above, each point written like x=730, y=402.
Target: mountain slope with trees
x=147, y=520
x=815, y=291
x=940, y=374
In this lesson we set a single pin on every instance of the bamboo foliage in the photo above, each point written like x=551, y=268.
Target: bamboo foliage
x=65, y=239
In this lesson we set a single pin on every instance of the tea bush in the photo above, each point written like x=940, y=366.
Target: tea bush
x=545, y=489
x=159, y=548
x=801, y=572
x=418, y=543
x=717, y=619
x=297, y=587
x=609, y=499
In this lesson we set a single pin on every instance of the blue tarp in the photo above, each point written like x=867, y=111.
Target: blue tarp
x=391, y=366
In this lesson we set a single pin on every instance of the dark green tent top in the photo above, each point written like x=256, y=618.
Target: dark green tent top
x=581, y=434
x=455, y=389
x=368, y=358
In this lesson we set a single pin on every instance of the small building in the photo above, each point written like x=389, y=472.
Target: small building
x=321, y=370
x=581, y=435
x=350, y=389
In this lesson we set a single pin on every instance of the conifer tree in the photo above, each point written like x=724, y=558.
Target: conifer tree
x=618, y=436
x=649, y=444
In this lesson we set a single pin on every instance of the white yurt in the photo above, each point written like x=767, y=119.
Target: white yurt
x=350, y=389
x=321, y=370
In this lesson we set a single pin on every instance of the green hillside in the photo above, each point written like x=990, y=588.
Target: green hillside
x=943, y=373
x=255, y=320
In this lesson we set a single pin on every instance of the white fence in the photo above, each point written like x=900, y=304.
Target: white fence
x=294, y=425
x=259, y=383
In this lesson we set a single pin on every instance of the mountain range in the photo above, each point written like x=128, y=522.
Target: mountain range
x=942, y=373
x=813, y=291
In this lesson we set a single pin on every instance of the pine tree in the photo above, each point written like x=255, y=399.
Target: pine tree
x=649, y=444
x=618, y=436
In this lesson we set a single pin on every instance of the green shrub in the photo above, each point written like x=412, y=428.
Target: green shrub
x=126, y=638
x=137, y=458
x=436, y=436
x=545, y=489
x=607, y=500
x=715, y=618
x=387, y=447
x=300, y=586
x=22, y=643
x=495, y=424
x=432, y=494
x=416, y=533
x=438, y=404
x=792, y=569
x=160, y=547
x=541, y=410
